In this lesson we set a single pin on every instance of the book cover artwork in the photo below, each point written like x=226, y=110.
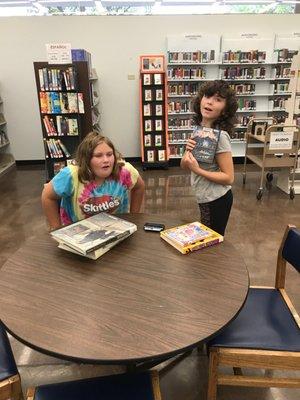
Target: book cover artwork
x=206, y=144
x=191, y=237
x=93, y=233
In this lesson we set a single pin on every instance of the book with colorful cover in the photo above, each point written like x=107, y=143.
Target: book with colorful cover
x=206, y=144
x=191, y=237
x=93, y=236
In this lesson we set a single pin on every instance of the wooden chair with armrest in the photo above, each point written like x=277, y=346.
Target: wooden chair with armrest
x=133, y=386
x=265, y=334
x=10, y=382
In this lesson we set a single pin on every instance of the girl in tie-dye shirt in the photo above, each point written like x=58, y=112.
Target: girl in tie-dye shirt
x=100, y=182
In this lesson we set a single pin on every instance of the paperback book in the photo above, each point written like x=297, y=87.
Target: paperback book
x=191, y=237
x=93, y=236
x=206, y=144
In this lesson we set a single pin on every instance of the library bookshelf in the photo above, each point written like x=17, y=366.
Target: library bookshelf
x=256, y=67
x=68, y=110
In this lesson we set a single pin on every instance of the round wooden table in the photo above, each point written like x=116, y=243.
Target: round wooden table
x=142, y=300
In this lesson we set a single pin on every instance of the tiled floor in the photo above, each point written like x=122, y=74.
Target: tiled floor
x=254, y=227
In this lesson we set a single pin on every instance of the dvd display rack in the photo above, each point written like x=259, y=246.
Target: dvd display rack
x=153, y=116
x=257, y=68
x=6, y=159
x=68, y=110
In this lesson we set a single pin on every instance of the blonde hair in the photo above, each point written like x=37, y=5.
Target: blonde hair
x=85, y=152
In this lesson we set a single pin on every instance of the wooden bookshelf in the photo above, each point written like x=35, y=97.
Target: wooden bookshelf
x=6, y=158
x=68, y=110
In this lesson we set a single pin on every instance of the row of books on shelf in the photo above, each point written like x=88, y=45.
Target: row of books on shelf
x=2, y=119
x=243, y=73
x=3, y=138
x=153, y=110
x=54, y=148
x=179, y=136
x=155, y=140
x=243, y=88
x=176, y=151
x=246, y=104
x=285, y=55
x=183, y=89
x=153, y=125
x=186, y=73
x=179, y=106
x=152, y=79
x=282, y=72
x=192, y=56
x=180, y=123
x=60, y=125
x=279, y=87
x=61, y=103
x=153, y=95
x=239, y=56
x=230, y=56
x=58, y=165
x=57, y=78
x=155, y=156
x=182, y=137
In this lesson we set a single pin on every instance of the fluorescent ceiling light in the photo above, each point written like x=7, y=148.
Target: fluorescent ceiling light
x=122, y=3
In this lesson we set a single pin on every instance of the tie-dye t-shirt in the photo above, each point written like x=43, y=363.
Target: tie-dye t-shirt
x=81, y=200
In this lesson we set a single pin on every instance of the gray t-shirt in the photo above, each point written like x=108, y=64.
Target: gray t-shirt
x=206, y=190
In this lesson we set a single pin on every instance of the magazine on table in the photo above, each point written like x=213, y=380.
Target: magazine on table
x=93, y=236
x=206, y=144
x=191, y=237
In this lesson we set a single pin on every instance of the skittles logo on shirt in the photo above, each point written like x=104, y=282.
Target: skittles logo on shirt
x=104, y=203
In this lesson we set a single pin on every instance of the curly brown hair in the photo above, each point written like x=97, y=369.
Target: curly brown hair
x=85, y=152
x=227, y=120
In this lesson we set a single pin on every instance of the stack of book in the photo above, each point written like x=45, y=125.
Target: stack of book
x=93, y=236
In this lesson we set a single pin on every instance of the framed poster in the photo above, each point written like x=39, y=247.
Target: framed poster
x=152, y=63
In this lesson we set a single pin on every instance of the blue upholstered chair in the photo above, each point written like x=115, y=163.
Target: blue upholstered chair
x=139, y=386
x=265, y=334
x=10, y=383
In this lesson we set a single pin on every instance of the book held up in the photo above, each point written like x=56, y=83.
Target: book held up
x=94, y=236
x=206, y=144
x=191, y=237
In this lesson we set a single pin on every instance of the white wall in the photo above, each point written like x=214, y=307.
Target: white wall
x=115, y=44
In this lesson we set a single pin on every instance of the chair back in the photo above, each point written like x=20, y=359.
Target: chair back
x=291, y=248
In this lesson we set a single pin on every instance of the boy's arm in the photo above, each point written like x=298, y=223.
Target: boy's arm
x=137, y=195
x=50, y=206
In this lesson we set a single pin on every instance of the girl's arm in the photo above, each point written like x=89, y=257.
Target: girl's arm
x=224, y=160
x=50, y=206
x=137, y=195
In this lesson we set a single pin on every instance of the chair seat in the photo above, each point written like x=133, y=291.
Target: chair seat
x=8, y=366
x=115, y=387
x=265, y=322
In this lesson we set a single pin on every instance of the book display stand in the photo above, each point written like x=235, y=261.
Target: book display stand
x=153, y=118
x=256, y=67
x=68, y=110
x=6, y=159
